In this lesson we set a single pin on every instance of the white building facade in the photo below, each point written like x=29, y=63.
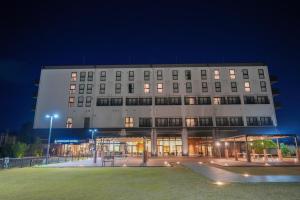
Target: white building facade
x=182, y=102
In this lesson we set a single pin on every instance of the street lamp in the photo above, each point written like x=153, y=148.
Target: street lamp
x=93, y=131
x=51, y=117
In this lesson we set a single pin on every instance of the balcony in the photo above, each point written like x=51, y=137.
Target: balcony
x=275, y=92
x=277, y=105
x=273, y=79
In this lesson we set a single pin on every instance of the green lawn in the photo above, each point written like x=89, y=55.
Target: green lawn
x=265, y=170
x=129, y=183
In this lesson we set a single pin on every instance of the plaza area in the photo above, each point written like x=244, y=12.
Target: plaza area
x=176, y=182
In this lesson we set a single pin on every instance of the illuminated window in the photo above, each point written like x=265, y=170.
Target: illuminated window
x=103, y=76
x=69, y=123
x=146, y=88
x=71, y=101
x=247, y=87
x=72, y=88
x=232, y=74
x=128, y=122
x=74, y=76
x=217, y=100
x=159, y=87
x=190, y=101
x=191, y=122
x=217, y=74
x=159, y=75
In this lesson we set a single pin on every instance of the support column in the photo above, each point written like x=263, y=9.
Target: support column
x=247, y=151
x=145, y=153
x=279, y=152
x=235, y=151
x=297, y=150
x=184, y=138
x=265, y=155
x=153, y=142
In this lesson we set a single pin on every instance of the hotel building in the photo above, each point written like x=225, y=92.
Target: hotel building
x=169, y=109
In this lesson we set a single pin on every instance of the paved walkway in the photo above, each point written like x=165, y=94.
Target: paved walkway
x=222, y=175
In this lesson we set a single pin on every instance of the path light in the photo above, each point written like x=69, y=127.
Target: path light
x=124, y=165
x=226, y=164
x=267, y=164
x=218, y=144
x=295, y=160
x=226, y=143
x=51, y=117
x=219, y=183
x=246, y=175
x=212, y=162
x=177, y=162
x=200, y=163
x=165, y=162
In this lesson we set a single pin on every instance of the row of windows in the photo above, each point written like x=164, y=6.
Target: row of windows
x=159, y=89
x=135, y=101
x=159, y=75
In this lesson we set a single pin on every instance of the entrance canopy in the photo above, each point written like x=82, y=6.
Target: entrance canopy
x=244, y=138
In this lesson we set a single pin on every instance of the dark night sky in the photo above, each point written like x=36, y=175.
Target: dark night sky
x=34, y=34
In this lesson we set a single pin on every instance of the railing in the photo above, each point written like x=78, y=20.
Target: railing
x=6, y=163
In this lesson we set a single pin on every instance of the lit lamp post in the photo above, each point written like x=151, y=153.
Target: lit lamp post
x=93, y=131
x=51, y=117
x=218, y=144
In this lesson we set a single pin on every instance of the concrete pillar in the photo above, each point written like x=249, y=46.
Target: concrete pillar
x=279, y=152
x=235, y=151
x=184, y=138
x=247, y=151
x=153, y=142
x=265, y=155
x=226, y=153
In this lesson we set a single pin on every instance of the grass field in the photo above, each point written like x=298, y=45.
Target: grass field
x=129, y=183
x=265, y=170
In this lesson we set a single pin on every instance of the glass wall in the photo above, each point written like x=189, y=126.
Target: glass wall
x=169, y=146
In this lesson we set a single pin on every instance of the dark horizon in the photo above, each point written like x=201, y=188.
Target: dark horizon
x=38, y=33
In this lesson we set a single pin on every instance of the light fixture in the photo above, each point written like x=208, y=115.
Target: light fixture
x=246, y=175
x=219, y=183
x=226, y=143
x=218, y=144
x=200, y=163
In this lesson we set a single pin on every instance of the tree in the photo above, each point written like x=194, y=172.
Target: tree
x=260, y=145
x=35, y=149
x=19, y=149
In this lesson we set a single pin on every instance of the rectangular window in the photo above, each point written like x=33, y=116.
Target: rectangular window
x=145, y=122
x=131, y=76
x=216, y=74
x=191, y=122
x=233, y=87
x=249, y=100
x=175, y=87
x=71, y=101
x=247, y=87
x=88, y=101
x=174, y=100
x=118, y=88
x=222, y=121
x=128, y=122
x=188, y=87
x=245, y=74
x=81, y=88
x=252, y=121
x=159, y=74
x=159, y=88
x=90, y=76
x=220, y=100
x=218, y=86
x=82, y=76
x=130, y=88
x=205, y=121
x=118, y=75
x=72, y=88
x=261, y=74
x=204, y=87
x=263, y=86
x=89, y=88
x=116, y=101
x=102, y=88
x=232, y=74
x=161, y=101
x=146, y=75
x=233, y=100
x=190, y=100
x=262, y=100
x=161, y=122
x=80, y=101
x=203, y=75
x=146, y=88
x=69, y=122
x=188, y=75
x=236, y=121
x=266, y=121
x=74, y=76
x=102, y=102
x=204, y=100
x=132, y=101
x=175, y=122
x=103, y=76
x=145, y=101
x=175, y=74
